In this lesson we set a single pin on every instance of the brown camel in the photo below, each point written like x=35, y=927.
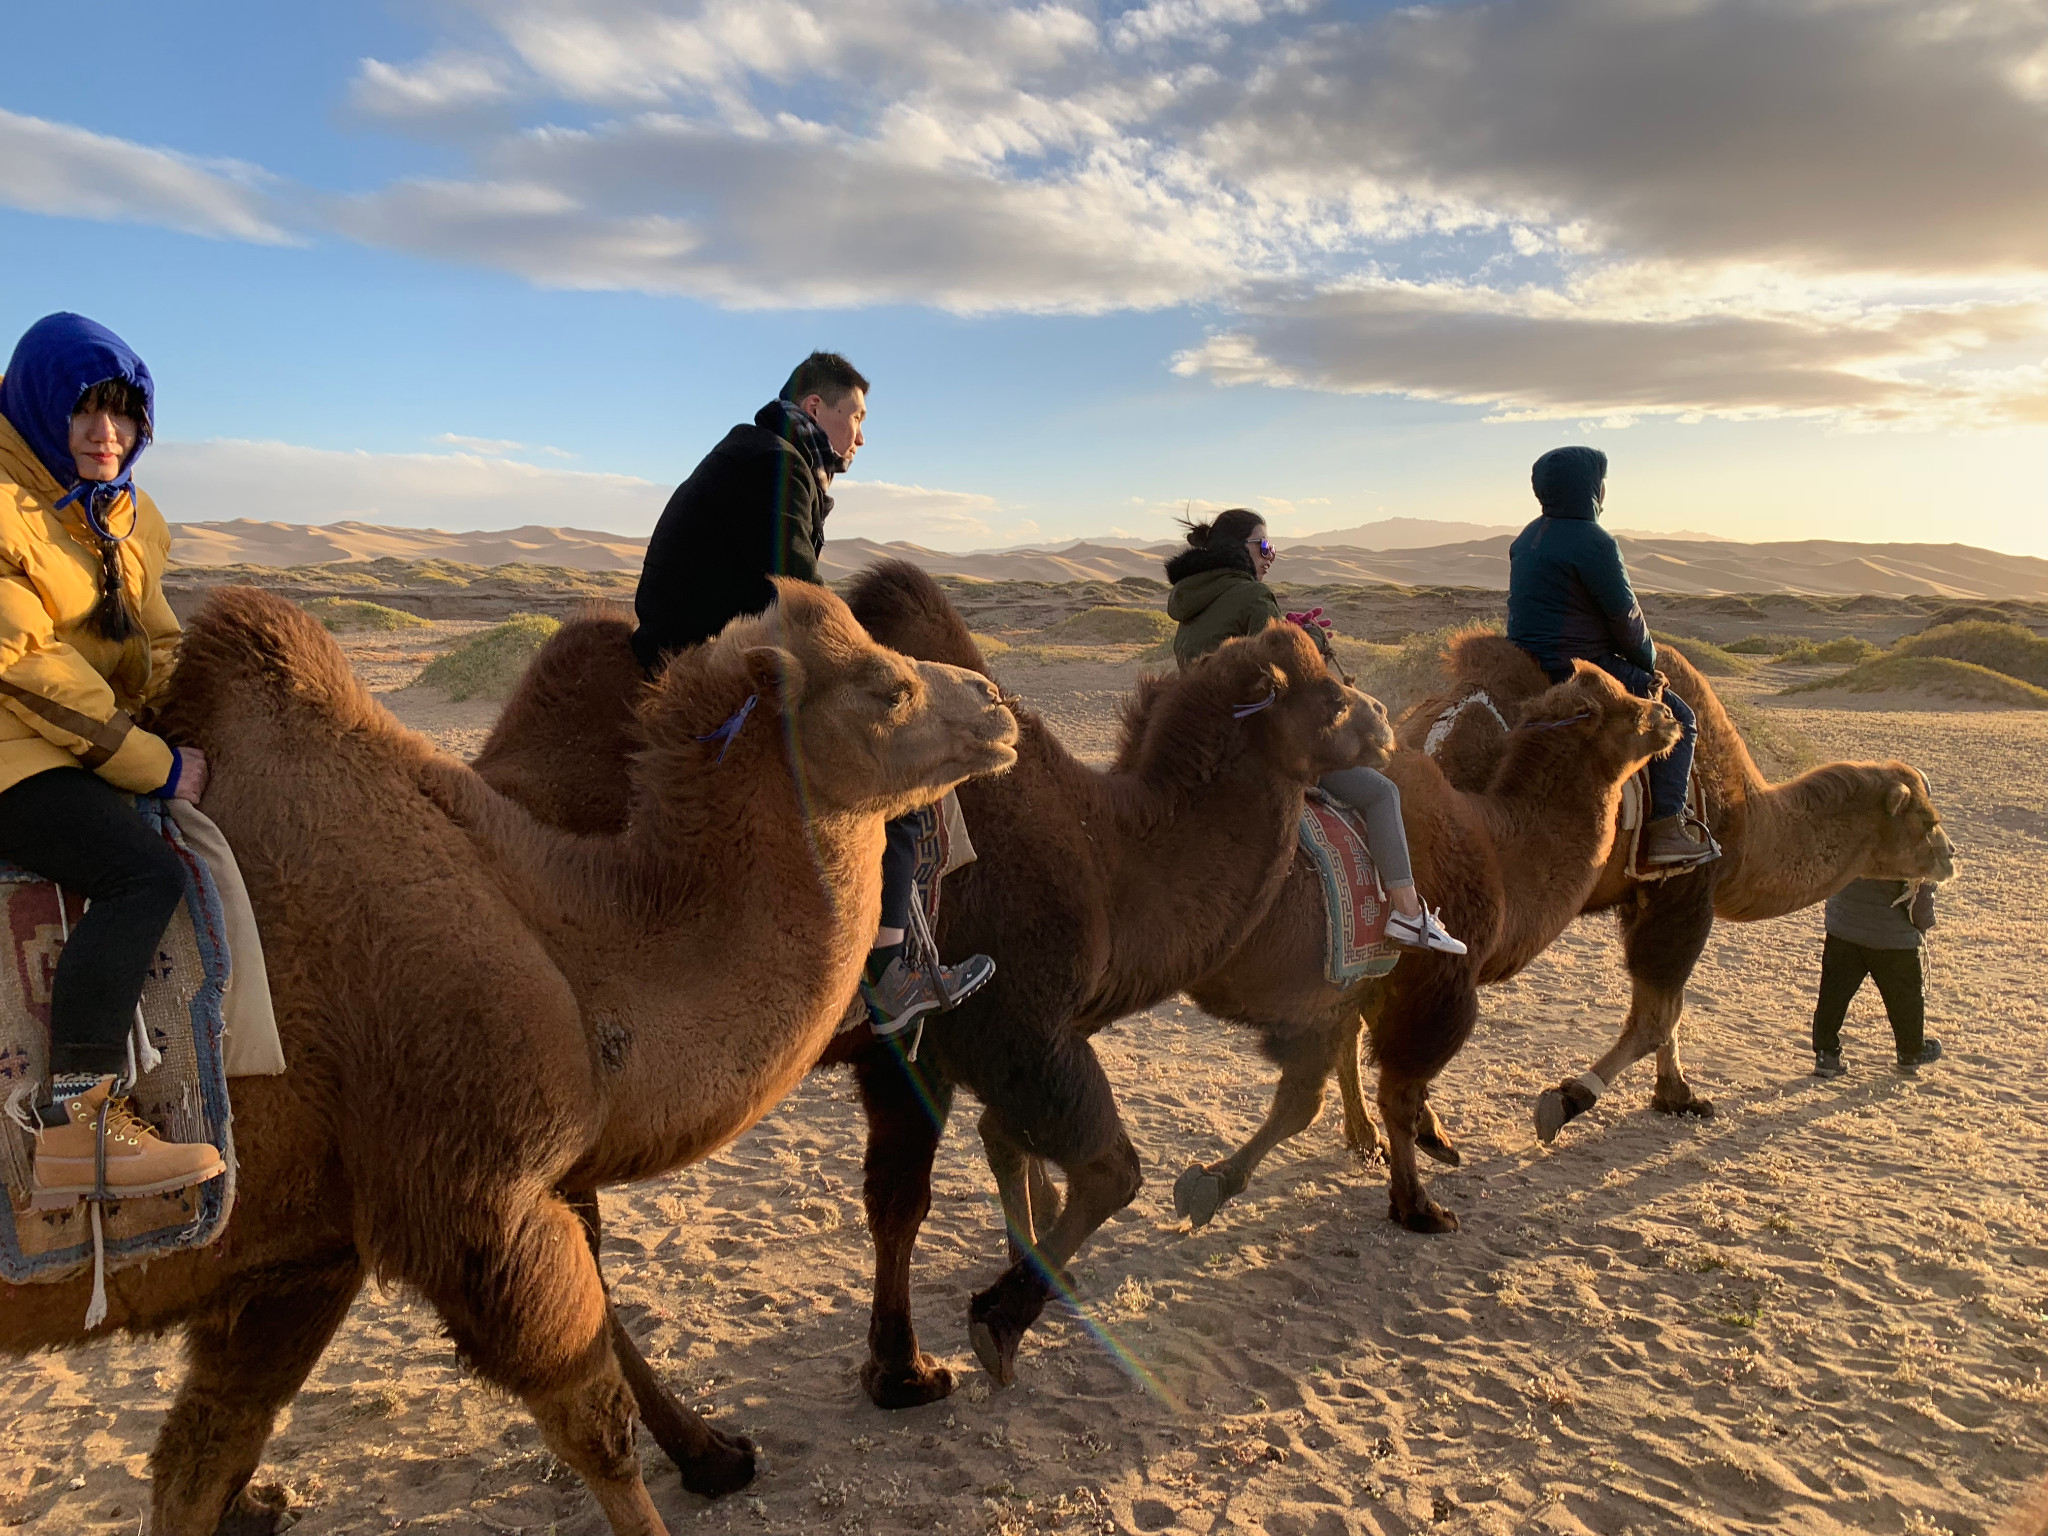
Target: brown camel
x=479, y=1010
x=1511, y=866
x=1784, y=847
x=1097, y=894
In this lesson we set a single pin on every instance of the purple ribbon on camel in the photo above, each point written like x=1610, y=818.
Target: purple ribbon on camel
x=725, y=733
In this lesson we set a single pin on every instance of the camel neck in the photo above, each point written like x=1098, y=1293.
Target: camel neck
x=1798, y=844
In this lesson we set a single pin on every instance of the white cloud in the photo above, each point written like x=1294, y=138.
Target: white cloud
x=446, y=82
x=54, y=168
x=222, y=479
x=877, y=509
x=1542, y=355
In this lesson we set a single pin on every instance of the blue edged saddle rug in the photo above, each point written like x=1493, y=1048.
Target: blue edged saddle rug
x=181, y=1087
x=1356, y=945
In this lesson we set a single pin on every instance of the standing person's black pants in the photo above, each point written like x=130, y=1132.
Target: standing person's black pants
x=73, y=827
x=1843, y=965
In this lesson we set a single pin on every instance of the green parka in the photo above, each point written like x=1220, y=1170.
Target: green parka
x=1215, y=598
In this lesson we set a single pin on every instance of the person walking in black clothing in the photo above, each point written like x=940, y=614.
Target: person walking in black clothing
x=1874, y=928
x=755, y=508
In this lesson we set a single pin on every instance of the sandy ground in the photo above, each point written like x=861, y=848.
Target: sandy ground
x=1823, y=1311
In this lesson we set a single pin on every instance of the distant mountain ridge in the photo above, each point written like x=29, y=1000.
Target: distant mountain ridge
x=1821, y=567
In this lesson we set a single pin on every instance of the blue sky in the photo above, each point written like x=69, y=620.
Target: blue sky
x=480, y=264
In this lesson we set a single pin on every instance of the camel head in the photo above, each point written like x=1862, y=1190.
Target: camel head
x=1909, y=841
x=870, y=731
x=1299, y=714
x=1613, y=732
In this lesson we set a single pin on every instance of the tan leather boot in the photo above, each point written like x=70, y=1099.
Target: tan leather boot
x=1668, y=841
x=138, y=1162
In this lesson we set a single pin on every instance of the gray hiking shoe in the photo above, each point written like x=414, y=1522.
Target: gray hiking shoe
x=903, y=994
x=1930, y=1051
x=1828, y=1064
x=1673, y=840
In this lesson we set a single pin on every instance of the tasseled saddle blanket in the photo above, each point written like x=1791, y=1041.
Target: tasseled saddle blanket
x=179, y=1077
x=1356, y=945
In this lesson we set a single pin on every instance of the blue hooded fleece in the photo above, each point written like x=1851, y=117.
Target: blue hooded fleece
x=1568, y=590
x=57, y=360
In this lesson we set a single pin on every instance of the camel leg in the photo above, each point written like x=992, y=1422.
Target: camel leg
x=1404, y=1103
x=906, y=1111
x=1030, y=1202
x=514, y=1280
x=247, y=1361
x=1297, y=1099
x=712, y=1462
x=1000, y=1315
x=1359, y=1133
x=1664, y=933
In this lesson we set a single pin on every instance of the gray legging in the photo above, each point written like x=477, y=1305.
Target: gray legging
x=1378, y=799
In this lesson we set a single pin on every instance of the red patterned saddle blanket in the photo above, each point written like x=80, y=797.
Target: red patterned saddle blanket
x=1356, y=944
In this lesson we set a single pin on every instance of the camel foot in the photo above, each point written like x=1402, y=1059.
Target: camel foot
x=1557, y=1107
x=1430, y=1144
x=1198, y=1195
x=724, y=1465
x=999, y=1318
x=1431, y=1218
x=926, y=1381
x=257, y=1512
x=1691, y=1104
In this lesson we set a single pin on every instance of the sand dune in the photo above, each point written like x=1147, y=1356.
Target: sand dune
x=1813, y=566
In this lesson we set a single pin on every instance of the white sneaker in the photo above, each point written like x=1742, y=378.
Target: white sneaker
x=1423, y=932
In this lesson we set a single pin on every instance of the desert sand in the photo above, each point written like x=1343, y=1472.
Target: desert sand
x=1823, y=1311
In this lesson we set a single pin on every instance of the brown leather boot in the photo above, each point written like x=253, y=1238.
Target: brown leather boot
x=138, y=1161
x=1668, y=841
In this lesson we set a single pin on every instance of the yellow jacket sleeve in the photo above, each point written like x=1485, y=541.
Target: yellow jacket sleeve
x=48, y=684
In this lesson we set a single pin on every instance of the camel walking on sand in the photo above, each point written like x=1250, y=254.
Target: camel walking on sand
x=1511, y=866
x=1784, y=847
x=479, y=1010
x=1097, y=894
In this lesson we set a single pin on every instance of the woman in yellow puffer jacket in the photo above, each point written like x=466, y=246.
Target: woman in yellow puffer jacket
x=86, y=638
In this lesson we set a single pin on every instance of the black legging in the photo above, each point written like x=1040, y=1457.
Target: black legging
x=73, y=827
x=899, y=871
x=1843, y=965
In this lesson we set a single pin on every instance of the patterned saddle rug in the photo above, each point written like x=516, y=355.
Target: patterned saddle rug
x=179, y=1083
x=1356, y=945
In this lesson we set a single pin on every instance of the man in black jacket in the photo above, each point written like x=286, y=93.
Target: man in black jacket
x=755, y=508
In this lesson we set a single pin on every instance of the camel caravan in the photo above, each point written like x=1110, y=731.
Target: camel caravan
x=757, y=829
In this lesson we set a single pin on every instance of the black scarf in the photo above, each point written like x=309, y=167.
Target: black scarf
x=794, y=423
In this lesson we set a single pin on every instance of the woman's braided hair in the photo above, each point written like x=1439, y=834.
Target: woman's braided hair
x=112, y=618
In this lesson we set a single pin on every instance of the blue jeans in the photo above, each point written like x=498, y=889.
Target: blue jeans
x=1669, y=772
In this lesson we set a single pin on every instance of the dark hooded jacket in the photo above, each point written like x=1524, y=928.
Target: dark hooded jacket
x=1568, y=589
x=754, y=508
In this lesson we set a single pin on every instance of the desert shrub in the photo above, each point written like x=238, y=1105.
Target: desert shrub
x=1112, y=626
x=1706, y=657
x=990, y=646
x=1843, y=650
x=489, y=664
x=1932, y=677
x=1761, y=645
x=343, y=614
x=2007, y=648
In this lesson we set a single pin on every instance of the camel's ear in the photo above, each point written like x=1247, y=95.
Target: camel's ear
x=774, y=671
x=1897, y=798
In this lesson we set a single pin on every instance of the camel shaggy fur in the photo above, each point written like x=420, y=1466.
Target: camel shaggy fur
x=1784, y=847
x=1097, y=894
x=479, y=1010
x=1511, y=866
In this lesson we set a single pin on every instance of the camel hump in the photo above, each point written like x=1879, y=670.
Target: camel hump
x=1480, y=658
x=246, y=644
x=904, y=609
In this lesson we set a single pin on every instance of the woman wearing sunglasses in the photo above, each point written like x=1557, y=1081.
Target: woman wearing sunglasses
x=1219, y=591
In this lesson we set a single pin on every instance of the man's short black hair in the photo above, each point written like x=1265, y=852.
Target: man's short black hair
x=826, y=375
